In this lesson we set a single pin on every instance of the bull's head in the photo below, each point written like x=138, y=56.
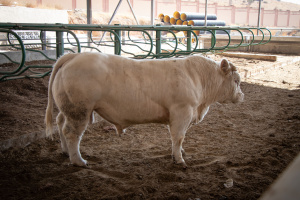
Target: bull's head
x=230, y=90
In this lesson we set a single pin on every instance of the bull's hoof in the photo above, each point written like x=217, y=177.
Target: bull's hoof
x=82, y=166
x=80, y=163
x=182, y=163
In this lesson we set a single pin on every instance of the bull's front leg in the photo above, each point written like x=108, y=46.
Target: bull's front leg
x=180, y=119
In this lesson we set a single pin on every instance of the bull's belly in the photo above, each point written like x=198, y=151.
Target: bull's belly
x=126, y=114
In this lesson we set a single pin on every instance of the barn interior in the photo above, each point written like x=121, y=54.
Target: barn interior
x=248, y=150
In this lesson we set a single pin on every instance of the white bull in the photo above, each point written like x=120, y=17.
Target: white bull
x=174, y=91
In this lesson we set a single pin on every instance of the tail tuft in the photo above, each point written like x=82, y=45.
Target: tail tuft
x=49, y=120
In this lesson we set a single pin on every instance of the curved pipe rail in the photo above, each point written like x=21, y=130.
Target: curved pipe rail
x=22, y=48
x=149, y=41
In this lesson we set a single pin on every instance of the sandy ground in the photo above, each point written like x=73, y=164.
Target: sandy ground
x=235, y=153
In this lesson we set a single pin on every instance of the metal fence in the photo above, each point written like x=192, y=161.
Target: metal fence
x=19, y=41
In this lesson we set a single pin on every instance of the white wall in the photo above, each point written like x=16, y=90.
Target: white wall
x=32, y=15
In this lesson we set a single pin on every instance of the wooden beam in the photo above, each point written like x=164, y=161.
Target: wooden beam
x=251, y=56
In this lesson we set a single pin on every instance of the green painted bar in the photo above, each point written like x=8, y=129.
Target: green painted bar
x=189, y=41
x=117, y=44
x=171, y=43
x=59, y=43
x=158, y=42
x=22, y=48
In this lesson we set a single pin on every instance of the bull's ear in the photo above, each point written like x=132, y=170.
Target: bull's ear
x=225, y=67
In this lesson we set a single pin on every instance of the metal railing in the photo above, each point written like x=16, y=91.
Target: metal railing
x=137, y=42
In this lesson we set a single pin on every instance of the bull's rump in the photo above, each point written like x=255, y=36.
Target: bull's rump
x=122, y=90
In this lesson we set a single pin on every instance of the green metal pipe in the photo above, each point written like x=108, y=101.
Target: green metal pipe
x=222, y=47
x=270, y=35
x=189, y=41
x=241, y=42
x=115, y=34
x=158, y=42
x=59, y=43
x=22, y=48
x=117, y=44
x=263, y=36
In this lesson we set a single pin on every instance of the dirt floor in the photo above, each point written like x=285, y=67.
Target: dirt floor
x=235, y=153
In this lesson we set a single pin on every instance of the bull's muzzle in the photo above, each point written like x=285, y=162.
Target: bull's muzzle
x=239, y=97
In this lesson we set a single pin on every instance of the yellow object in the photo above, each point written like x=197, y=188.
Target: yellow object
x=191, y=23
x=167, y=18
x=176, y=15
x=185, y=23
x=173, y=20
x=161, y=16
x=183, y=16
x=178, y=22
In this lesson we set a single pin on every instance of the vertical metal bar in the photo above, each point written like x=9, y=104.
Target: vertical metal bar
x=152, y=12
x=213, y=38
x=258, y=22
x=189, y=41
x=152, y=16
x=89, y=11
x=117, y=44
x=89, y=19
x=124, y=37
x=158, y=42
x=59, y=43
x=43, y=39
x=205, y=23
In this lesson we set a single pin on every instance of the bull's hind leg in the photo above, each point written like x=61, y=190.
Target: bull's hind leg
x=60, y=120
x=180, y=120
x=73, y=131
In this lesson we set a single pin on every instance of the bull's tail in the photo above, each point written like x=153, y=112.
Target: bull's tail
x=49, y=111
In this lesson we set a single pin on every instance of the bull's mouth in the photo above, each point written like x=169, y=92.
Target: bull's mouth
x=237, y=99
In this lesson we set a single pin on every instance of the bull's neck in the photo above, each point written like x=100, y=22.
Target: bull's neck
x=211, y=87
x=209, y=82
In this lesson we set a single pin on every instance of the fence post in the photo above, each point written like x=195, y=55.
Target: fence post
x=189, y=41
x=59, y=43
x=213, y=41
x=43, y=39
x=158, y=42
x=117, y=46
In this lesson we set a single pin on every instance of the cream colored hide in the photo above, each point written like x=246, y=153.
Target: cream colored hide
x=173, y=91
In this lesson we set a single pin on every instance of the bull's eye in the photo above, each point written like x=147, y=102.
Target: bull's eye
x=236, y=82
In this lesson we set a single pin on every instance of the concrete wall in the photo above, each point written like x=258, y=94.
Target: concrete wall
x=277, y=45
x=32, y=15
x=230, y=14
x=30, y=56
